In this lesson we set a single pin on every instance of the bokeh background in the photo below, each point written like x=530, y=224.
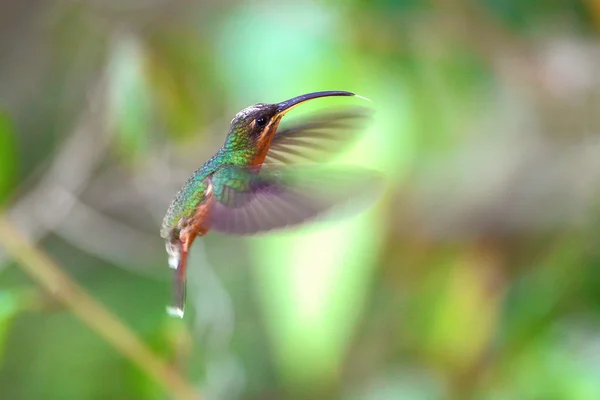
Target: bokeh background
x=475, y=276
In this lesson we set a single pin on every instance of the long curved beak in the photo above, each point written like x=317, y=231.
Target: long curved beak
x=287, y=105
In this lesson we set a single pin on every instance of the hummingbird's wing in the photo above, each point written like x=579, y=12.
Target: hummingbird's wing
x=248, y=201
x=318, y=137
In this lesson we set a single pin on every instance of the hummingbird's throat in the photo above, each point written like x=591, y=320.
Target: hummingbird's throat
x=263, y=143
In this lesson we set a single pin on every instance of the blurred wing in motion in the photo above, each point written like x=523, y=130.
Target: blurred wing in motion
x=248, y=200
x=318, y=137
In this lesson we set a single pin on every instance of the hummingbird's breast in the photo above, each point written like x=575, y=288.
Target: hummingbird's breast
x=188, y=200
x=198, y=223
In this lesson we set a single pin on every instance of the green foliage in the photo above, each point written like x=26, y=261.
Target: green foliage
x=487, y=289
x=131, y=98
x=9, y=308
x=8, y=158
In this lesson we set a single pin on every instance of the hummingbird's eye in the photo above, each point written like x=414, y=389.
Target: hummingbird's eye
x=261, y=121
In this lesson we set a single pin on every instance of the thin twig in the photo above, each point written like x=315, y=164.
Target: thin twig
x=41, y=268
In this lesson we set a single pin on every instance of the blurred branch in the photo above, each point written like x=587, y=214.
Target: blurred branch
x=41, y=268
x=46, y=206
x=110, y=239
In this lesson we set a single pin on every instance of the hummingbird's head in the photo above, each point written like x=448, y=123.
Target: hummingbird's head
x=253, y=128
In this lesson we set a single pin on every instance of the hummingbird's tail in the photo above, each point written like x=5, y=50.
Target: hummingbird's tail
x=178, y=253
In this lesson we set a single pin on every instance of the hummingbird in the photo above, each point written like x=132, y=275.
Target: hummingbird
x=264, y=178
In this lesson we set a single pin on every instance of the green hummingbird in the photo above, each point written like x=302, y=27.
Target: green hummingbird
x=264, y=178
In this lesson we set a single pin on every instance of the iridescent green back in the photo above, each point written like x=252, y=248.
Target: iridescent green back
x=237, y=150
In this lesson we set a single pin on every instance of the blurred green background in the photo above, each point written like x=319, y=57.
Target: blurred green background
x=476, y=276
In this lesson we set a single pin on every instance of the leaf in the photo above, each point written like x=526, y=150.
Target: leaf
x=130, y=105
x=9, y=308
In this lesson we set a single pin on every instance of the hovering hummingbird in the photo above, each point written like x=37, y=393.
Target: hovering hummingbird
x=254, y=183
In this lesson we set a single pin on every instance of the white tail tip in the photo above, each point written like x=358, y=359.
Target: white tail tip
x=175, y=311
